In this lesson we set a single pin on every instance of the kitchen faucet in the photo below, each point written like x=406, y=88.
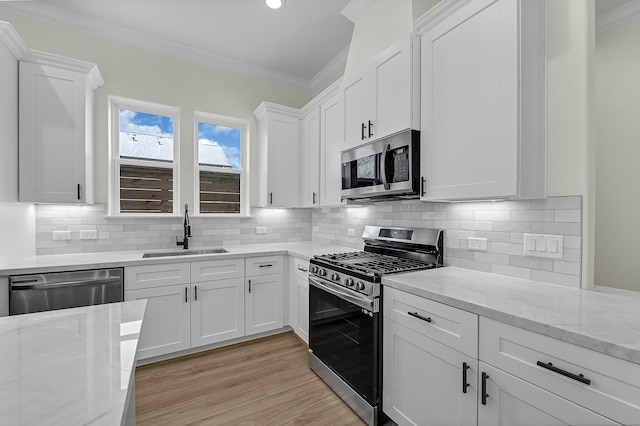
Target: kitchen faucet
x=187, y=229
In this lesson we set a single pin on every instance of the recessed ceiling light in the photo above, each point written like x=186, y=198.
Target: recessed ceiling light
x=275, y=4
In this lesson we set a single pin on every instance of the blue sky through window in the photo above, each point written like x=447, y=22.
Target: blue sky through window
x=228, y=138
x=150, y=124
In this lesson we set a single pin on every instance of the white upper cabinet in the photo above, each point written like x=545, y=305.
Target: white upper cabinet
x=310, y=159
x=383, y=98
x=331, y=131
x=56, y=103
x=483, y=99
x=278, y=135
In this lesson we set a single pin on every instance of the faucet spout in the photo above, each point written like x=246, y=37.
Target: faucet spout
x=187, y=229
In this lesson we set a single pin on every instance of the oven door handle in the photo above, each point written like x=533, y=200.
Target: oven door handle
x=356, y=299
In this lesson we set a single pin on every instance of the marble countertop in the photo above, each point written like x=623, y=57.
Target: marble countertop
x=72, y=366
x=602, y=319
x=66, y=262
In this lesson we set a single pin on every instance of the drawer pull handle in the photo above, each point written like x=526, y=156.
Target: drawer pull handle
x=301, y=268
x=465, y=385
x=417, y=315
x=485, y=395
x=268, y=265
x=249, y=286
x=195, y=293
x=578, y=377
x=186, y=294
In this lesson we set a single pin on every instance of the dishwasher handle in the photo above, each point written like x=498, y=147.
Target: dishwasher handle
x=27, y=286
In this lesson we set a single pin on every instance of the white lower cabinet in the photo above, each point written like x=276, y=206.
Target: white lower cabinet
x=515, y=402
x=299, y=297
x=166, y=326
x=217, y=311
x=263, y=303
x=263, y=297
x=426, y=382
x=518, y=378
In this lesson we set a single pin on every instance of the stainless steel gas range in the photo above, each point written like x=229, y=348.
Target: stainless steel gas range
x=345, y=323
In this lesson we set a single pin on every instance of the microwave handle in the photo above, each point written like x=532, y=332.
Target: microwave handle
x=383, y=168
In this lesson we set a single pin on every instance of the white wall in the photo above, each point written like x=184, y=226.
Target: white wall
x=618, y=156
x=137, y=73
x=17, y=220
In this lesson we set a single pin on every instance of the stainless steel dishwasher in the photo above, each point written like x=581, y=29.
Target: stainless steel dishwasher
x=59, y=290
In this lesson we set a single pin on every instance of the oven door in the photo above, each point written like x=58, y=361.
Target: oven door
x=344, y=333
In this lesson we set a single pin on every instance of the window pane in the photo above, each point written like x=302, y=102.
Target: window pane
x=146, y=136
x=219, y=146
x=219, y=192
x=146, y=189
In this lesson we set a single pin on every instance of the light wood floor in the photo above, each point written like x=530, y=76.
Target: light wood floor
x=262, y=382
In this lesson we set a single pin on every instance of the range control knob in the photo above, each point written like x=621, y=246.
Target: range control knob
x=349, y=282
x=360, y=286
x=322, y=272
x=314, y=269
x=335, y=277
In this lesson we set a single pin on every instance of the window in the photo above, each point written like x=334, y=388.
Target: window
x=221, y=170
x=144, y=157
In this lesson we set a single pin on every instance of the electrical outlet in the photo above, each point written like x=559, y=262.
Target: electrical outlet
x=316, y=229
x=478, y=244
x=261, y=229
x=351, y=232
x=61, y=235
x=89, y=234
x=543, y=245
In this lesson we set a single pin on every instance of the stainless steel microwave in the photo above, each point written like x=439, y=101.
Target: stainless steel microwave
x=384, y=169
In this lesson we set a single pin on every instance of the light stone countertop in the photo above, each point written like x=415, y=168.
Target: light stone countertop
x=605, y=320
x=71, y=366
x=68, y=262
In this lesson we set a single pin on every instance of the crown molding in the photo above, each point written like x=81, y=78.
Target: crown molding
x=321, y=97
x=336, y=65
x=12, y=40
x=356, y=8
x=269, y=107
x=436, y=14
x=48, y=13
x=617, y=16
x=88, y=68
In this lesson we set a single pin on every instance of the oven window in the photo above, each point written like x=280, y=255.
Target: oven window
x=345, y=338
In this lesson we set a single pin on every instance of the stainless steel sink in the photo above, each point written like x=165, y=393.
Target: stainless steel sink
x=189, y=252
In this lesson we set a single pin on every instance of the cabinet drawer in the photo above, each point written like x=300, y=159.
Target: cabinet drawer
x=218, y=269
x=263, y=265
x=147, y=276
x=451, y=326
x=301, y=267
x=614, y=388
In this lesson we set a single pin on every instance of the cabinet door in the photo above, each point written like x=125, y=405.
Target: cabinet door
x=302, y=329
x=309, y=159
x=283, y=161
x=470, y=103
x=514, y=402
x=331, y=134
x=166, y=325
x=358, y=97
x=263, y=306
x=423, y=380
x=52, y=135
x=396, y=84
x=217, y=311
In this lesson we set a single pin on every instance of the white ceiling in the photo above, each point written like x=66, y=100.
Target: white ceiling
x=303, y=44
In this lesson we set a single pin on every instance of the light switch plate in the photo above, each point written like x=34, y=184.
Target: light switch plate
x=261, y=229
x=351, y=232
x=544, y=245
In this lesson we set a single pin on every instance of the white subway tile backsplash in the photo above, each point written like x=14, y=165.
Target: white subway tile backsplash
x=503, y=224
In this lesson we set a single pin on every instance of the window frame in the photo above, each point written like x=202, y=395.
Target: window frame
x=220, y=120
x=115, y=104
